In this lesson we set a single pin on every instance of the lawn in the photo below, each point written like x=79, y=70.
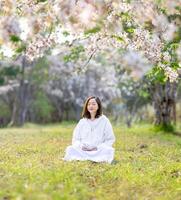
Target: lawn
x=147, y=166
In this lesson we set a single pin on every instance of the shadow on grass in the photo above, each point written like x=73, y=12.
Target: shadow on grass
x=114, y=162
x=168, y=129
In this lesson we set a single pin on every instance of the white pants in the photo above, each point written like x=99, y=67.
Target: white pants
x=103, y=154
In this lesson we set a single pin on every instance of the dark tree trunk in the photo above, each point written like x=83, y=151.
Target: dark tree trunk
x=12, y=101
x=164, y=102
x=14, y=114
x=130, y=112
x=23, y=95
x=77, y=109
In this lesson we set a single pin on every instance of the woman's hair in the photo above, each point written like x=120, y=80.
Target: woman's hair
x=86, y=113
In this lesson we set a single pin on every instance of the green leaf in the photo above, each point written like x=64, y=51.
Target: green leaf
x=130, y=30
x=74, y=54
x=125, y=16
x=15, y=38
x=148, y=25
x=118, y=38
x=143, y=93
x=41, y=1
x=157, y=75
x=174, y=65
x=2, y=80
x=10, y=71
x=66, y=33
x=93, y=30
x=174, y=46
x=21, y=49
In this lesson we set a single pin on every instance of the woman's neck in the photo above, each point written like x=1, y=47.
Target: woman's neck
x=92, y=117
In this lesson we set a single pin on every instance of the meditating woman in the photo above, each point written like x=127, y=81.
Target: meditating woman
x=93, y=136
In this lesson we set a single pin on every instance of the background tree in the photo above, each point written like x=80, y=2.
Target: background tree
x=81, y=30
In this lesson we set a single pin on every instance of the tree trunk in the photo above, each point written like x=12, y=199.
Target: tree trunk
x=164, y=102
x=130, y=112
x=14, y=114
x=23, y=95
x=77, y=109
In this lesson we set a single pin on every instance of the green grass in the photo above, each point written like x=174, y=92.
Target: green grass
x=147, y=166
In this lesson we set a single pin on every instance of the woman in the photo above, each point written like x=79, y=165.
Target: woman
x=93, y=136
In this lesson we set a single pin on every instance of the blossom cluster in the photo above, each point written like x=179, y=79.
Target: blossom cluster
x=111, y=17
x=37, y=47
x=171, y=74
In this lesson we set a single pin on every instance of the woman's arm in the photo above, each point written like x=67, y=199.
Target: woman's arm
x=76, y=139
x=109, y=137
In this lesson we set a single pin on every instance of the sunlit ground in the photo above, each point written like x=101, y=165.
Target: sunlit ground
x=147, y=165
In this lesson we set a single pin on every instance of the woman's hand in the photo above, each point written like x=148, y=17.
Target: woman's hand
x=89, y=149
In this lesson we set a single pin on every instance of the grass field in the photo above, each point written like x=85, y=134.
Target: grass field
x=147, y=166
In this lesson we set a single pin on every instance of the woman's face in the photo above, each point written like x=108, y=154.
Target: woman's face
x=92, y=106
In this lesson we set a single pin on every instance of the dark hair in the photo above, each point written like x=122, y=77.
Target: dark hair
x=86, y=113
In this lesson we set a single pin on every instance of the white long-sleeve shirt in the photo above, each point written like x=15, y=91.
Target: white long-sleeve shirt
x=97, y=133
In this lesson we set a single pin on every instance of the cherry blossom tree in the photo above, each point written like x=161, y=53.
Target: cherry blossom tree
x=152, y=28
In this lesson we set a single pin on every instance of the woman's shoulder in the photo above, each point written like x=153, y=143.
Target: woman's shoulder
x=82, y=120
x=104, y=117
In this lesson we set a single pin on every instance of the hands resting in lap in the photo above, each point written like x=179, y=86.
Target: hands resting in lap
x=87, y=147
